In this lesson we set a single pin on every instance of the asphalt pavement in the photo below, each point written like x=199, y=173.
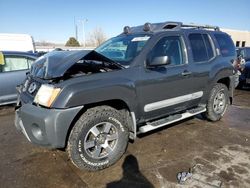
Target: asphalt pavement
x=217, y=155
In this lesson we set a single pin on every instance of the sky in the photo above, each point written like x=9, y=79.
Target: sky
x=54, y=20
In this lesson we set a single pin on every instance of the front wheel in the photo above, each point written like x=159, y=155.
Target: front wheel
x=217, y=102
x=98, y=139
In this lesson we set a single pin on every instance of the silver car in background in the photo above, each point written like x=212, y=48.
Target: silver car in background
x=13, y=68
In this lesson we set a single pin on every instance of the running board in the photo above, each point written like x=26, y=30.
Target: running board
x=170, y=119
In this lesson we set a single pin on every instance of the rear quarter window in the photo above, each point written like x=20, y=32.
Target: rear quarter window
x=226, y=45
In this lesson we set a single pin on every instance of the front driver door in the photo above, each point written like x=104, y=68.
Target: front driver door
x=167, y=89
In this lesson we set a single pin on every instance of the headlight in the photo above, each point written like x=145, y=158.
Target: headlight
x=46, y=95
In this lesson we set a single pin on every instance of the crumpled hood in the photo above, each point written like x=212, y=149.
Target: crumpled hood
x=54, y=64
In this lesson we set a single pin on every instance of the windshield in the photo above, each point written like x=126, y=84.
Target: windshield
x=123, y=49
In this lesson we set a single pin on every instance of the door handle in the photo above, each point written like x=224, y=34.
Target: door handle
x=186, y=73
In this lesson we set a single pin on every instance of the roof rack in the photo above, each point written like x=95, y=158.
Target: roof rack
x=179, y=25
x=148, y=27
x=216, y=28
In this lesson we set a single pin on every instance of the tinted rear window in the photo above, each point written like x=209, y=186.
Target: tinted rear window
x=201, y=47
x=198, y=47
x=226, y=45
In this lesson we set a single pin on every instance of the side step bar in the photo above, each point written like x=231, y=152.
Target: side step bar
x=170, y=119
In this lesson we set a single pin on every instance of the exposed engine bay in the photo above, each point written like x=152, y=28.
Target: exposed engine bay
x=87, y=67
x=63, y=65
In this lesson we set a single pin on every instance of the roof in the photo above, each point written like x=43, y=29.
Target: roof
x=19, y=53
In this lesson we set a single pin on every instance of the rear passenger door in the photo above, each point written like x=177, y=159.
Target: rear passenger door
x=12, y=73
x=202, y=54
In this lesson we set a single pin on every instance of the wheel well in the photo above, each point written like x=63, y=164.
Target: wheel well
x=225, y=81
x=117, y=104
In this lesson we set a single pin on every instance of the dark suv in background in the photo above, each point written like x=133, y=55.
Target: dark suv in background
x=243, y=65
x=92, y=102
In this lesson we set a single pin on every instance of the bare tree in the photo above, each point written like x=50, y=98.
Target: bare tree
x=97, y=37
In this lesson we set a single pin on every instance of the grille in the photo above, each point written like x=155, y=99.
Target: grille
x=31, y=86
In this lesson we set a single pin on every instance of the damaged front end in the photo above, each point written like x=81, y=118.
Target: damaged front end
x=36, y=116
x=54, y=67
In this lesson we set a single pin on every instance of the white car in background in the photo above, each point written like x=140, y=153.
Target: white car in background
x=17, y=42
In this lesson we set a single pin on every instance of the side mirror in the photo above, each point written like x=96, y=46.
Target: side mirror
x=158, y=61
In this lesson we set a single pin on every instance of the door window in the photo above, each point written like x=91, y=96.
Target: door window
x=198, y=47
x=202, y=48
x=169, y=46
x=15, y=63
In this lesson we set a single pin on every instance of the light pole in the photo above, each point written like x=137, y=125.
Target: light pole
x=76, y=28
x=83, y=21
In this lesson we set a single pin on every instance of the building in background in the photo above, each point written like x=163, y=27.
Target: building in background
x=240, y=38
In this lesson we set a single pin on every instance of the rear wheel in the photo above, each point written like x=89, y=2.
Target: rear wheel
x=217, y=102
x=98, y=139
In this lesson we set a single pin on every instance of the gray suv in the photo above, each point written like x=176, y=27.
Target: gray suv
x=93, y=102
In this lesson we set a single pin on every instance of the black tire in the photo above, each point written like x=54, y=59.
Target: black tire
x=213, y=113
x=98, y=126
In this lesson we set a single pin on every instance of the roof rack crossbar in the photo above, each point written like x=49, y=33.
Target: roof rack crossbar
x=216, y=28
x=179, y=25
